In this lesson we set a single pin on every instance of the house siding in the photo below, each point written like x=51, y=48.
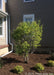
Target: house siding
x=3, y=38
x=42, y=9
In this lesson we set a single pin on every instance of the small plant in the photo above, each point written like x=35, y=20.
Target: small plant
x=39, y=67
x=50, y=63
x=52, y=56
x=18, y=69
x=1, y=63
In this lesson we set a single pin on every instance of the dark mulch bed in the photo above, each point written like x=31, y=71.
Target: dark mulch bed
x=13, y=60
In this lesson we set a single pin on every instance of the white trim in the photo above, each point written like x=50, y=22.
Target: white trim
x=29, y=1
x=3, y=13
x=29, y=15
x=2, y=28
x=6, y=54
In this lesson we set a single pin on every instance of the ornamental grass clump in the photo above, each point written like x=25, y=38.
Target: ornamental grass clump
x=39, y=67
x=18, y=69
x=50, y=63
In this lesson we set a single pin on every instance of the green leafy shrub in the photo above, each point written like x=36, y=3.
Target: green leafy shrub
x=25, y=47
x=39, y=67
x=50, y=63
x=27, y=37
x=18, y=69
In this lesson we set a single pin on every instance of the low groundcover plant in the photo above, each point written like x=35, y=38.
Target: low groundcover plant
x=18, y=69
x=51, y=63
x=39, y=67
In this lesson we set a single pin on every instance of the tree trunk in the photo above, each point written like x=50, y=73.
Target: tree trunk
x=26, y=59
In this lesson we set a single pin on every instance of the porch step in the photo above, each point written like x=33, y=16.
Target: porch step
x=3, y=49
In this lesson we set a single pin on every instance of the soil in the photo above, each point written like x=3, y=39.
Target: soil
x=13, y=60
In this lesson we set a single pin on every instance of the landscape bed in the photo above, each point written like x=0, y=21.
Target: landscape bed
x=12, y=60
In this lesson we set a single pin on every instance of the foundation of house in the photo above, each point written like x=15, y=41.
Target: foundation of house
x=3, y=51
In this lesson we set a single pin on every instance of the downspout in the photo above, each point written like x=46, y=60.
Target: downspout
x=9, y=35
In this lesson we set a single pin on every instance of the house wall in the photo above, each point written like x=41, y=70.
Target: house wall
x=3, y=38
x=3, y=43
x=42, y=9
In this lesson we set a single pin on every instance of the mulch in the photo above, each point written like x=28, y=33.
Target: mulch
x=13, y=60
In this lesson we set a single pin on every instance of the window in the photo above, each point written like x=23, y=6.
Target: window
x=1, y=3
x=29, y=0
x=5, y=1
x=29, y=18
x=1, y=27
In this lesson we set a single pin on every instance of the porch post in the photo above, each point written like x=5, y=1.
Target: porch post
x=6, y=31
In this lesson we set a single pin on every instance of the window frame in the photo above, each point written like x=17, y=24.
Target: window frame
x=2, y=28
x=29, y=15
x=29, y=1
